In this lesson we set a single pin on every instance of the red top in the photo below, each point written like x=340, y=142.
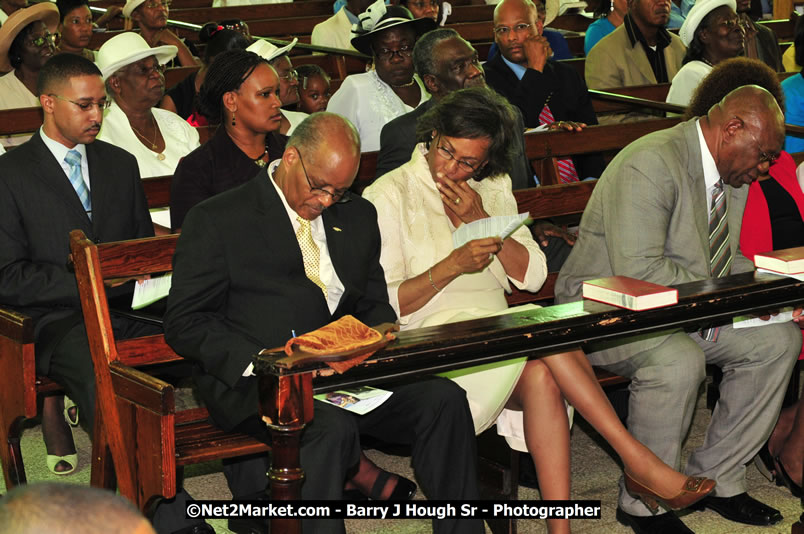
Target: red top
x=756, y=236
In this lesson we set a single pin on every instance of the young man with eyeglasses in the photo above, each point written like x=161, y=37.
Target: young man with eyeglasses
x=285, y=254
x=152, y=16
x=546, y=92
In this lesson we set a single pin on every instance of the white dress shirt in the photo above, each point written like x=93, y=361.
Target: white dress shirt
x=59, y=152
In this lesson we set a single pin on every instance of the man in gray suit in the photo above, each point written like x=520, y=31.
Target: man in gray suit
x=649, y=218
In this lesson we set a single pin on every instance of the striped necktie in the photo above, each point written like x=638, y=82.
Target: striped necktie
x=719, y=246
x=566, y=168
x=310, y=253
x=73, y=159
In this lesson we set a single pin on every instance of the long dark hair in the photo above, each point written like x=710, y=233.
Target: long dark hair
x=474, y=113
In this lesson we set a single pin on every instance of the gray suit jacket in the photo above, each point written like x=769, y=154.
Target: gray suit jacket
x=648, y=218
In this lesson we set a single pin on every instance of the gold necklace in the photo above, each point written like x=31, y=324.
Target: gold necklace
x=160, y=156
x=411, y=82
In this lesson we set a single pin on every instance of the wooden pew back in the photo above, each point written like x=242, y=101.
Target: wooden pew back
x=136, y=419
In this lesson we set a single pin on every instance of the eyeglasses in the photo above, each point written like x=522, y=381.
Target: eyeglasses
x=338, y=197
x=730, y=24
x=502, y=31
x=155, y=4
x=447, y=154
x=386, y=54
x=47, y=38
x=85, y=105
x=764, y=157
x=290, y=76
x=422, y=5
x=145, y=70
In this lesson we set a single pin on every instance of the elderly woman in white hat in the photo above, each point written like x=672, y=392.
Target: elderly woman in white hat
x=134, y=78
x=288, y=80
x=711, y=32
x=152, y=16
x=372, y=99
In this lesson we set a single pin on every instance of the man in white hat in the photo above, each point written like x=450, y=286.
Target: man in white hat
x=134, y=78
x=545, y=91
x=336, y=31
x=152, y=16
x=288, y=80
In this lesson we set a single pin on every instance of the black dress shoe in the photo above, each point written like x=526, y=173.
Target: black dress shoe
x=668, y=523
x=404, y=490
x=249, y=525
x=741, y=508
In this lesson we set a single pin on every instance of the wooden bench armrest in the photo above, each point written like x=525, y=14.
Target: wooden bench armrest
x=142, y=389
x=16, y=326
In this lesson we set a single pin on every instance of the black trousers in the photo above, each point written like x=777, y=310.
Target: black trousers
x=432, y=416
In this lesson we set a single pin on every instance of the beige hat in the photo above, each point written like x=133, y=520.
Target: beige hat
x=128, y=48
x=701, y=9
x=269, y=51
x=17, y=21
x=130, y=6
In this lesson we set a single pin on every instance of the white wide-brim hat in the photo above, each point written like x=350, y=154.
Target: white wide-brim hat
x=130, y=6
x=551, y=11
x=17, y=21
x=701, y=9
x=269, y=51
x=128, y=48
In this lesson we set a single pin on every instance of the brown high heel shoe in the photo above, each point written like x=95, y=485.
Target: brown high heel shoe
x=695, y=489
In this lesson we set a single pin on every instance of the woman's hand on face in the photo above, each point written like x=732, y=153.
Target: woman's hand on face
x=475, y=255
x=461, y=199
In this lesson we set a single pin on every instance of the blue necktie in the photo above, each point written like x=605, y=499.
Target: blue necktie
x=73, y=159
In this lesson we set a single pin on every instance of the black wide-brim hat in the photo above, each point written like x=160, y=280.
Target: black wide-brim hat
x=394, y=17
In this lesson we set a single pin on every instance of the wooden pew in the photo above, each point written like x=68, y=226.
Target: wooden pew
x=137, y=424
x=424, y=351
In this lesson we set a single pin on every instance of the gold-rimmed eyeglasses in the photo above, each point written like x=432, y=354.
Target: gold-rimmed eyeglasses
x=338, y=197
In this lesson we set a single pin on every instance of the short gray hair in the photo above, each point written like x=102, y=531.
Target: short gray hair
x=423, y=60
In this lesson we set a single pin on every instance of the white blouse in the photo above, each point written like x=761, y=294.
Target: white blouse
x=370, y=104
x=180, y=139
x=417, y=234
x=14, y=95
x=686, y=81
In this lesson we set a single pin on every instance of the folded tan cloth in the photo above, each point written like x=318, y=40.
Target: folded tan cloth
x=346, y=335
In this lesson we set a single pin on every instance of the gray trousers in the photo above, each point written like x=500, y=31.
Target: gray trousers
x=756, y=364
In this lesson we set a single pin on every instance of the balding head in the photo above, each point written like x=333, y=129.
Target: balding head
x=319, y=164
x=68, y=509
x=515, y=21
x=745, y=133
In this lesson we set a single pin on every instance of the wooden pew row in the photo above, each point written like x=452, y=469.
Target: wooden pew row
x=248, y=13
x=421, y=352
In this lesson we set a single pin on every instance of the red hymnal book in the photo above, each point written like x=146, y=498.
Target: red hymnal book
x=787, y=261
x=629, y=293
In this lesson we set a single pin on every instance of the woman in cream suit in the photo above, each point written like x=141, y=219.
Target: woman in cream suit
x=458, y=176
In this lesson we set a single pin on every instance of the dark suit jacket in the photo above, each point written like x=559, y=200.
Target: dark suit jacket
x=216, y=166
x=398, y=138
x=768, y=47
x=562, y=85
x=38, y=209
x=239, y=286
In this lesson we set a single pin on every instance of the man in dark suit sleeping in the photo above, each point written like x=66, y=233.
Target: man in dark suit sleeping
x=284, y=254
